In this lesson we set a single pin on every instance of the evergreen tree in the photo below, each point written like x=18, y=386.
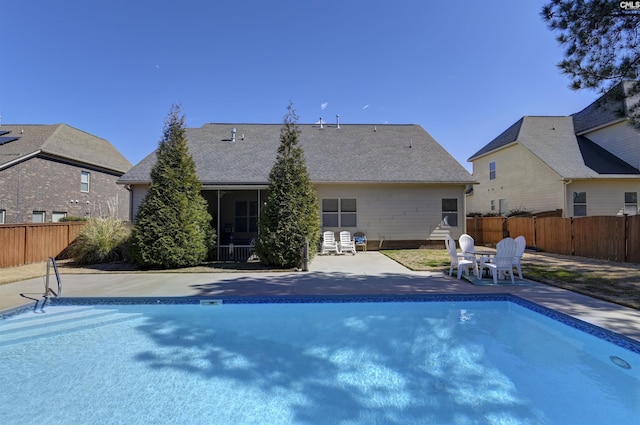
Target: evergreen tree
x=290, y=217
x=602, y=47
x=172, y=227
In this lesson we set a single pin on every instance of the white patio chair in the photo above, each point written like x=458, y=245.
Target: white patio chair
x=329, y=243
x=502, y=262
x=457, y=262
x=346, y=243
x=521, y=243
x=450, y=241
x=466, y=245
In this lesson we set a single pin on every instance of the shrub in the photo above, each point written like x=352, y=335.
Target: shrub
x=73, y=218
x=102, y=240
x=519, y=212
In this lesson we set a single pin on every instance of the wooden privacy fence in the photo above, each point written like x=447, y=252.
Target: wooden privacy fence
x=615, y=238
x=32, y=243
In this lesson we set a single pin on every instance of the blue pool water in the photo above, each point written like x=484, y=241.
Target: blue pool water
x=461, y=361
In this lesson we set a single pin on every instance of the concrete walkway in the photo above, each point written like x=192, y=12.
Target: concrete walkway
x=363, y=274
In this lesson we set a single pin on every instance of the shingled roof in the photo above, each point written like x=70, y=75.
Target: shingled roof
x=611, y=107
x=59, y=141
x=553, y=140
x=353, y=153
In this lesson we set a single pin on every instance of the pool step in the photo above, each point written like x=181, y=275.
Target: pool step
x=39, y=325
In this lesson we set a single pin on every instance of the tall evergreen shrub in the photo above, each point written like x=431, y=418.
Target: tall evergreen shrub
x=173, y=227
x=291, y=215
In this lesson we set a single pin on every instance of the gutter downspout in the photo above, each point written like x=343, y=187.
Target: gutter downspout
x=564, y=194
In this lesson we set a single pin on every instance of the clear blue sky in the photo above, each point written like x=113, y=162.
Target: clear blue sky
x=464, y=71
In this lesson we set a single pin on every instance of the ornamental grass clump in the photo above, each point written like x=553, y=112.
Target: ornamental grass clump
x=102, y=240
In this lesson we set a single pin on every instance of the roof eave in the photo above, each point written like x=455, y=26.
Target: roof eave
x=19, y=159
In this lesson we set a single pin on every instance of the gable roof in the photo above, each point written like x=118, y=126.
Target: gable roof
x=554, y=142
x=353, y=153
x=611, y=107
x=59, y=141
x=601, y=160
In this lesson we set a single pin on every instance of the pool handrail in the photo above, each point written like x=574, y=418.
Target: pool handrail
x=47, y=289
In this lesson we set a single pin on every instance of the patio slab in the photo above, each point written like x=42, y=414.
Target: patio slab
x=367, y=273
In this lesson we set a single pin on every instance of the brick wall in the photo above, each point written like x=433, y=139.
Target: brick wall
x=42, y=184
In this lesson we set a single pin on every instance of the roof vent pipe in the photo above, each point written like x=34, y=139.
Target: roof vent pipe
x=233, y=134
x=337, y=121
x=321, y=122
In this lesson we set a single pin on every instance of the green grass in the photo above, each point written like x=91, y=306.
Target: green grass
x=599, y=281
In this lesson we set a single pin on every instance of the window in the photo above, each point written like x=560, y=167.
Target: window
x=246, y=216
x=57, y=216
x=503, y=206
x=85, y=178
x=450, y=212
x=631, y=203
x=492, y=170
x=2, y=215
x=38, y=217
x=339, y=212
x=579, y=204
x=493, y=205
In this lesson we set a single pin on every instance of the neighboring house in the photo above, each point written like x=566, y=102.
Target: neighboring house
x=395, y=183
x=586, y=164
x=48, y=172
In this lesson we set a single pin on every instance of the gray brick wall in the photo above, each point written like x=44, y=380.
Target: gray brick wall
x=42, y=184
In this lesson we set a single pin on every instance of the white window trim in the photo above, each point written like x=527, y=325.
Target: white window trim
x=447, y=213
x=82, y=182
x=580, y=204
x=43, y=214
x=339, y=213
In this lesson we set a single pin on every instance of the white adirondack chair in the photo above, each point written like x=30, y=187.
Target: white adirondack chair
x=329, y=243
x=521, y=243
x=346, y=243
x=502, y=262
x=457, y=262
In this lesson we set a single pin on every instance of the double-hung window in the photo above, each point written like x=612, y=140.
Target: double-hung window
x=579, y=204
x=492, y=170
x=450, y=212
x=38, y=217
x=631, y=203
x=2, y=216
x=85, y=179
x=56, y=216
x=339, y=212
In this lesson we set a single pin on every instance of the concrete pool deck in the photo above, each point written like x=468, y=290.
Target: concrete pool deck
x=368, y=273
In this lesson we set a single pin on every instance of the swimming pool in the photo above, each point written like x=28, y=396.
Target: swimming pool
x=335, y=360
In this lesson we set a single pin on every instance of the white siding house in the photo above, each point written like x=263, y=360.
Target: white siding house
x=584, y=164
x=394, y=183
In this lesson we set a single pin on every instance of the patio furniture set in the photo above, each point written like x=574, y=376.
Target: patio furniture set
x=502, y=261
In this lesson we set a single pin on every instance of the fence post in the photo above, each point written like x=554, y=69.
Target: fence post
x=626, y=239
